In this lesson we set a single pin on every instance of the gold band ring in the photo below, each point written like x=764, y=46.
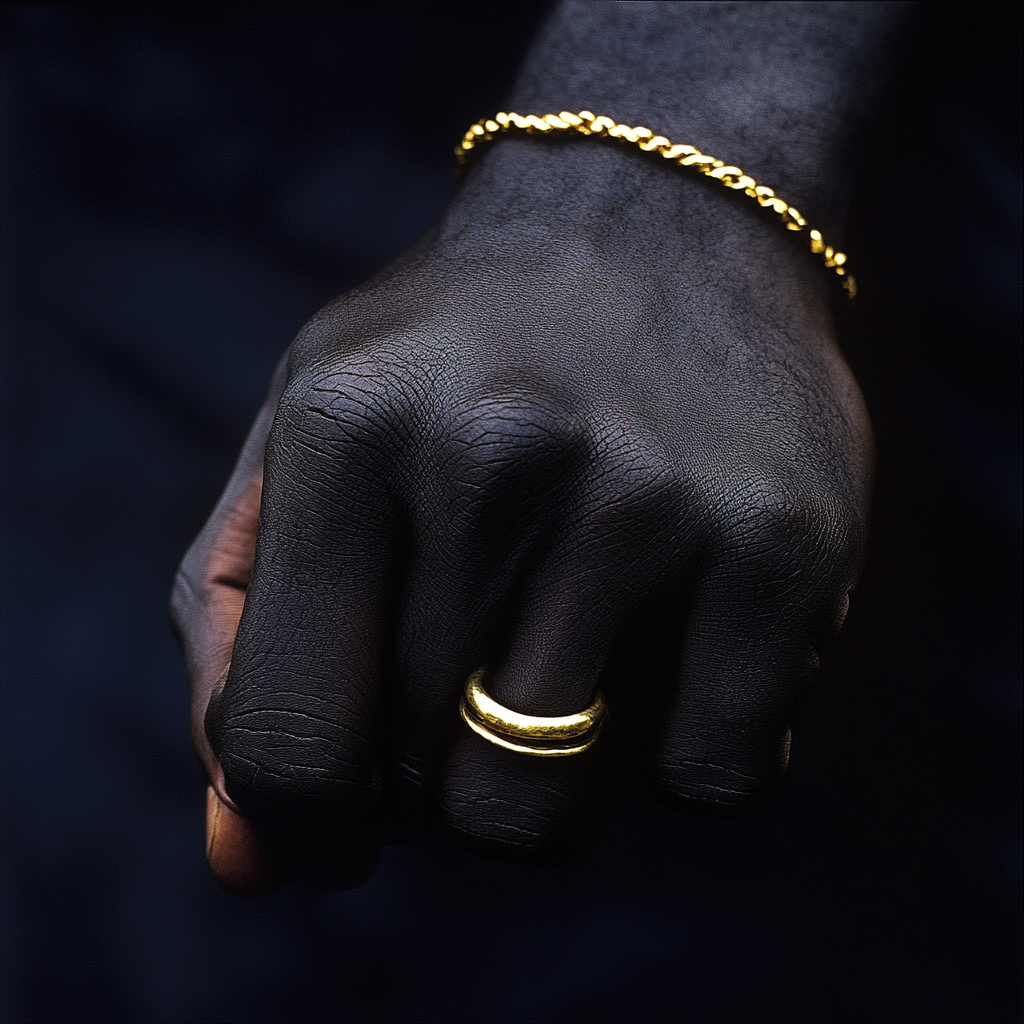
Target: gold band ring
x=528, y=734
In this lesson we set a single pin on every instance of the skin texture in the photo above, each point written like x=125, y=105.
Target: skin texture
x=593, y=429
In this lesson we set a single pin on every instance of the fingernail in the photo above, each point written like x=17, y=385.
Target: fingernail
x=213, y=812
x=233, y=850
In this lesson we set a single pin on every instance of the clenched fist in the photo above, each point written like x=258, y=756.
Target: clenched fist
x=593, y=431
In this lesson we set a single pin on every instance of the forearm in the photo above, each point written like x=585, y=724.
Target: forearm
x=779, y=89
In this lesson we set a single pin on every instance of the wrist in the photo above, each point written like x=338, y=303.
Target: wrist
x=540, y=196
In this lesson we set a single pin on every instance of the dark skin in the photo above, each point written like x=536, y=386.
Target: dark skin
x=593, y=430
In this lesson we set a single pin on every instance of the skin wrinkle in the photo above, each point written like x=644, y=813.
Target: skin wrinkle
x=296, y=769
x=289, y=715
x=749, y=781
x=284, y=775
x=507, y=828
x=297, y=782
x=521, y=801
x=286, y=722
x=291, y=745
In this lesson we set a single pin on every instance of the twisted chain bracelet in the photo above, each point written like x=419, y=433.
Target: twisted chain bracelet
x=586, y=123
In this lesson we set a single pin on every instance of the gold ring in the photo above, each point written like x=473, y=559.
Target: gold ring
x=528, y=734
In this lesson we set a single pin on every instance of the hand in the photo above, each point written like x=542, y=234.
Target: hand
x=594, y=430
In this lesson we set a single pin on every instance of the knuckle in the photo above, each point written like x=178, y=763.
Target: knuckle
x=634, y=483
x=769, y=521
x=335, y=442
x=628, y=511
x=503, y=448
x=357, y=407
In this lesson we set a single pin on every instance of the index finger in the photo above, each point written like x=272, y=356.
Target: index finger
x=296, y=726
x=206, y=604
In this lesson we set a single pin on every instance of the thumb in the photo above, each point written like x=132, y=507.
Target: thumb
x=237, y=861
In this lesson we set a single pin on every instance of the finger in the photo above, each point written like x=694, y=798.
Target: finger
x=237, y=860
x=206, y=603
x=749, y=647
x=210, y=586
x=497, y=479
x=296, y=725
x=619, y=545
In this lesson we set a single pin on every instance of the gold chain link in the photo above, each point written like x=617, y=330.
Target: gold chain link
x=586, y=123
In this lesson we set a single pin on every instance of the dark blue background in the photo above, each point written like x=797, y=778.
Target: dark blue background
x=182, y=187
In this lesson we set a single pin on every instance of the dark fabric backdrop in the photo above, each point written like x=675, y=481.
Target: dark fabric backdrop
x=183, y=185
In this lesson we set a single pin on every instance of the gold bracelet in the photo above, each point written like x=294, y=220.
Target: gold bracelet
x=586, y=123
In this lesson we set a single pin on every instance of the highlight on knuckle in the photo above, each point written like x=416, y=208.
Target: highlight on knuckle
x=343, y=409
x=505, y=449
x=634, y=487
x=337, y=438
x=771, y=522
